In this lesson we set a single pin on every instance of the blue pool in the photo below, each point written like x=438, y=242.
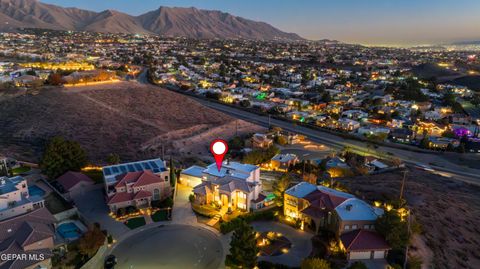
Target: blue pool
x=69, y=230
x=36, y=191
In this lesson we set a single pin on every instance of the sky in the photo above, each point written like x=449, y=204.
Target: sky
x=369, y=22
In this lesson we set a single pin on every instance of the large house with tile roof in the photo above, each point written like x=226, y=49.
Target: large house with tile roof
x=323, y=208
x=236, y=186
x=31, y=237
x=138, y=189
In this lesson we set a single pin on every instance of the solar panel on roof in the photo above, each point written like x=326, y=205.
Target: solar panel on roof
x=115, y=169
x=107, y=171
x=138, y=167
x=123, y=168
x=154, y=164
x=146, y=165
x=131, y=168
x=156, y=170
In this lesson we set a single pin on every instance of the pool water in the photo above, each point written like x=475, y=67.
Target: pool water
x=36, y=191
x=69, y=230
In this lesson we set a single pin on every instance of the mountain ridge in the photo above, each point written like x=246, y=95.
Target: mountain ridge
x=166, y=21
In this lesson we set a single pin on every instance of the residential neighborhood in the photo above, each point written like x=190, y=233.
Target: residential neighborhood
x=198, y=135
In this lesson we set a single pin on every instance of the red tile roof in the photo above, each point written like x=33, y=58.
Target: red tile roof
x=141, y=178
x=120, y=197
x=142, y=194
x=71, y=179
x=363, y=240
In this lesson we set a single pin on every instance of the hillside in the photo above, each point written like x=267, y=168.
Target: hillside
x=168, y=21
x=130, y=119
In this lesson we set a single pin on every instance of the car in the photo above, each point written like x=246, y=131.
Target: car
x=110, y=262
x=424, y=167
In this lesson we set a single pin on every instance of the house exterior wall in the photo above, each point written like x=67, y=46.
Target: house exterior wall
x=355, y=225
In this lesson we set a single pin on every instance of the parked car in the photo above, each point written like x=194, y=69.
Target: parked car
x=110, y=262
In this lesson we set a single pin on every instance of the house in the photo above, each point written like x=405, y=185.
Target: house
x=336, y=162
x=401, y=135
x=364, y=245
x=191, y=176
x=348, y=124
x=110, y=173
x=15, y=198
x=320, y=207
x=74, y=183
x=32, y=233
x=442, y=142
x=261, y=141
x=283, y=161
x=236, y=186
x=138, y=189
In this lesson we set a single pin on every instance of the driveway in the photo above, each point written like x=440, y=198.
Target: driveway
x=170, y=246
x=301, y=243
x=92, y=206
x=182, y=210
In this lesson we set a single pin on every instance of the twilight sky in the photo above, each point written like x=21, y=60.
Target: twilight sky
x=388, y=22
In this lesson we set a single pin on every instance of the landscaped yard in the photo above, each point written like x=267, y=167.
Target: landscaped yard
x=204, y=210
x=135, y=222
x=55, y=204
x=20, y=170
x=160, y=215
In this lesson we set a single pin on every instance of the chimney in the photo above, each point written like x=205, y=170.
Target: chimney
x=349, y=207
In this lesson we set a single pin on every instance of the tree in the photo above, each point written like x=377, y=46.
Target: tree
x=55, y=79
x=315, y=263
x=393, y=229
x=173, y=177
x=113, y=158
x=243, y=247
x=61, y=156
x=280, y=186
x=91, y=241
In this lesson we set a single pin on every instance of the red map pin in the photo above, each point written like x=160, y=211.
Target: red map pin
x=219, y=148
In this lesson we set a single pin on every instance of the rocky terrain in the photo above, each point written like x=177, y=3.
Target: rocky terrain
x=166, y=21
x=448, y=211
x=133, y=120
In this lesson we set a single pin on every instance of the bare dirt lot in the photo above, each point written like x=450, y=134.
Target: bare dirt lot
x=449, y=212
x=130, y=119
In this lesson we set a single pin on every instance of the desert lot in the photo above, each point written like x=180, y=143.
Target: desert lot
x=448, y=211
x=131, y=119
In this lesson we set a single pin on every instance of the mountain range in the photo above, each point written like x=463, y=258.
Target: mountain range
x=165, y=21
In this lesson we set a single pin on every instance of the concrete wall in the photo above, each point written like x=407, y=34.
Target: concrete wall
x=66, y=214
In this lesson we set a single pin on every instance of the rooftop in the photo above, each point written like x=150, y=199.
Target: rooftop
x=111, y=171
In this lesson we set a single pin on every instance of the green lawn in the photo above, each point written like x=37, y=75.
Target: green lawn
x=160, y=215
x=20, y=170
x=135, y=222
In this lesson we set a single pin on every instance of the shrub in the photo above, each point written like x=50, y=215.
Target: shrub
x=229, y=226
x=191, y=198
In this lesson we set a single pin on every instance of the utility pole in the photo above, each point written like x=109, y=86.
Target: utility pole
x=403, y=184
x=408, y=234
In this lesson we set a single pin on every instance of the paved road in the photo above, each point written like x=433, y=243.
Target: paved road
x=431, y=159
x=170, y=246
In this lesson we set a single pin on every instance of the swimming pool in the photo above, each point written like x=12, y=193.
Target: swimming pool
x=36, y=191
x=69, y=230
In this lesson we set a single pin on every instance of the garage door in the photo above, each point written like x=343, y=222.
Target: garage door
x=379, y=254
x=364, y=255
